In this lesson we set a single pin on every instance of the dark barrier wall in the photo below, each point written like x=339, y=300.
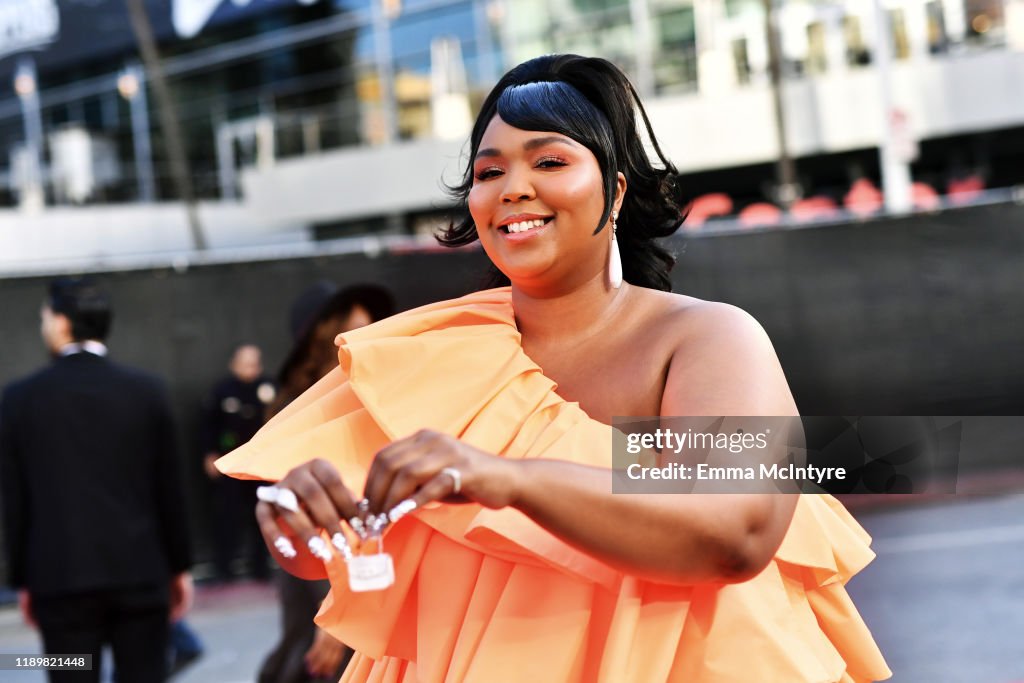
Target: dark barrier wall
x=916, y=316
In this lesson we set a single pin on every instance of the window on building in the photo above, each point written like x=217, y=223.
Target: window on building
x=741, y=56
x=857, y=53
x=898, y=32
x=817, y=60
x=985, y=21
x=938, y=39
x=675, y=49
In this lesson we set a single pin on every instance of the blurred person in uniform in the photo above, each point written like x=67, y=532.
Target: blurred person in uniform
x=307, y=653
x=233, y=412
x=95, y=524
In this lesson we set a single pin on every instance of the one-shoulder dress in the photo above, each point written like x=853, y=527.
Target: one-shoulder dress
x=489, y=596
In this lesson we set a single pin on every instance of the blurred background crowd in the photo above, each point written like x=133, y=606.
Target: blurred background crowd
x=853, y=172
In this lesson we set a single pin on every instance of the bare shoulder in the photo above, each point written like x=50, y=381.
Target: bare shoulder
x=689, y=320
x=722, y=360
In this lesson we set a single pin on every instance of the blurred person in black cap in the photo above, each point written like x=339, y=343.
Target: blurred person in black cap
x=95, y=524
x=232, y=413
x=307, y=653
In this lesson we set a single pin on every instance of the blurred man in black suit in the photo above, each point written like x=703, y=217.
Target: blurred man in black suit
x=94, y=517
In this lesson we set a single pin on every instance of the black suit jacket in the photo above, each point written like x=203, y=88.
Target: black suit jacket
x=92, y=492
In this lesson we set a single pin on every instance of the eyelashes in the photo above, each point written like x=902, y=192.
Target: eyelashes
x=485, y=174
x=488, y=173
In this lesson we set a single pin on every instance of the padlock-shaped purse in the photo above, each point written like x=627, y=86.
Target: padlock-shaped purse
x=373, y=572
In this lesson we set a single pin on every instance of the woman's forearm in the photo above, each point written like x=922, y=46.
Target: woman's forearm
x=675, y=538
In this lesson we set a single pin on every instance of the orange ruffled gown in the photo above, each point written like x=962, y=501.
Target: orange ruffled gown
x=488, y=596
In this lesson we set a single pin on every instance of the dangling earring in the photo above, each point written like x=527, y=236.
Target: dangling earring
x=614, y=260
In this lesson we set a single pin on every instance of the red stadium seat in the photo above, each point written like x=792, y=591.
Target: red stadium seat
x=814, y=208
x=707, y=206
x=965, y=190
x=759, y=214
x=863, y=199
x=924, y=197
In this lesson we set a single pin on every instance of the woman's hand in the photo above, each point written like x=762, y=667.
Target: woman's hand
x=182, y=593
x=324, y=656
x=25, y=605
x=419, y=468
x=293, y=535
x=428, y=466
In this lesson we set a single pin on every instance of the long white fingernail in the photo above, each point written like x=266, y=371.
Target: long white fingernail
x=339, y=541
x=287, y=499
x=318, y=547
x=268, y=494
x=401, y=510
x=358, y=526
x=285, y=547
x=377, y=523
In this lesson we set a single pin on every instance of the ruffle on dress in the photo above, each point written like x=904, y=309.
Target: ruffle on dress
x=489, y=596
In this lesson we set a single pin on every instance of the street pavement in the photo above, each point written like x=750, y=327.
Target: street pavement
x=944, y=600
x=237, y=623
x=945, y=596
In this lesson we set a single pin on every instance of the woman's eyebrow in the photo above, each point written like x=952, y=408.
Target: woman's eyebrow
x=533, y=143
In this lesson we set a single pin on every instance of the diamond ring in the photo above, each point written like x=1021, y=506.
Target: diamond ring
x=456, y=478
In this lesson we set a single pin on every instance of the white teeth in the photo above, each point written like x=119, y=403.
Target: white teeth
x=525, y=225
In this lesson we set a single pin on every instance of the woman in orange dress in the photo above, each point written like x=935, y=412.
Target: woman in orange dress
x=476, y=433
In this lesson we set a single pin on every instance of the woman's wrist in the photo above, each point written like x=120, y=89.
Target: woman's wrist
x=518, y=481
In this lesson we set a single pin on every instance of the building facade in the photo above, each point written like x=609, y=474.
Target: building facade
x=322, y=118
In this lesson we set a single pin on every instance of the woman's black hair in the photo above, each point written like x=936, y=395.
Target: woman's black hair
x=591, y=101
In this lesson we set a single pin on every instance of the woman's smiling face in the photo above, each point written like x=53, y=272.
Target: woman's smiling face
x=550, y=188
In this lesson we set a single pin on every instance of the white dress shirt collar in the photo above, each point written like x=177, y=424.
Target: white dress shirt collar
x=89, y=346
